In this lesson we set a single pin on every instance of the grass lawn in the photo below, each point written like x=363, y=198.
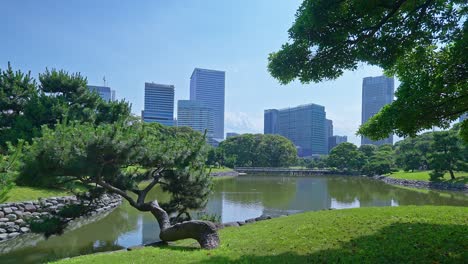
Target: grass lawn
x=461, y=177
x=222, y=169
x=422, y=234
x=23, y=193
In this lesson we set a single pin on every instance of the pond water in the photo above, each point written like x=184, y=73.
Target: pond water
x=233, y=199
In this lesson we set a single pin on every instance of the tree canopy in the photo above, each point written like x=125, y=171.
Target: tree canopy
x=26, y=105
x=422, y=42
x=258, y=151
x=118, y=157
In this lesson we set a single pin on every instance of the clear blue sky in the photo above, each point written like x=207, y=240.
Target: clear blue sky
x=133, y=42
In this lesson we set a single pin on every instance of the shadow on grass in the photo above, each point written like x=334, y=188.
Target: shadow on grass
x=397, y=243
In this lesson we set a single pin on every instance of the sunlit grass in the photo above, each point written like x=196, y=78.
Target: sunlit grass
x=424, y=176
x=425, y=234
x=24, y=193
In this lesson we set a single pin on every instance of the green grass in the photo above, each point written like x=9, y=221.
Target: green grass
x=23, y=193
x=222, y=169
x=426, y=234
x=461, y=177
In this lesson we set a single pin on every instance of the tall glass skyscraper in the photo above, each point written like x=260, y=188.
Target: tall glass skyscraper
x=159, y=104
x=103, y=91
x=376, y=93
x=270, y=121
x=207, y=86
x=304, y=125
x=195, y=114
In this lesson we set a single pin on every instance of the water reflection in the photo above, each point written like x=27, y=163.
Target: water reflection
x=233, y=199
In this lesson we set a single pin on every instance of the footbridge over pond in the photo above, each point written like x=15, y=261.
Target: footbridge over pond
x=282, y=171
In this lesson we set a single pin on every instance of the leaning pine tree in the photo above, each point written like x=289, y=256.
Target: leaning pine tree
x=117, y=158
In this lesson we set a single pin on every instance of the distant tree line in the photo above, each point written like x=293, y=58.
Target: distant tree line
x=441, y=152
x=254, y=150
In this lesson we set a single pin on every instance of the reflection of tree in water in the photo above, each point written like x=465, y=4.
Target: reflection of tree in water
x=372, y=193
x=98, y=236
x=347, y=189
x=273, y=192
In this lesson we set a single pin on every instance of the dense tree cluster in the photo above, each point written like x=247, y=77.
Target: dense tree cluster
x=117, y=158
x=57, y=133
x=421, y=42
x=249, y=150
x=26, y=105
x=442, y=151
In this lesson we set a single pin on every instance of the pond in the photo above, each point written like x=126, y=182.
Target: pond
x=233, y=199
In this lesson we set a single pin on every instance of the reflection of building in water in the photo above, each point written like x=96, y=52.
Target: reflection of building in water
x=236, y=206
x=214, y=206
x=335, y=204
x=311, y=194
x=149, y=229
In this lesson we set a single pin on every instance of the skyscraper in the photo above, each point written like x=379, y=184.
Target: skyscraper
x=207, y=86
x=304, y=125
x=328, y=131
x=195, y=114
x=270, y=121
x=376, y=93
x=159, y=104
x=103, y=91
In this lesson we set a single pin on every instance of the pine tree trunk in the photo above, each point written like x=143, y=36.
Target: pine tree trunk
x=203, y=231
x=452, y=176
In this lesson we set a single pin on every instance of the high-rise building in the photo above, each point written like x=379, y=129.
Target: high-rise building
x=376, y=93
x=207, y=86
x=113, y=95
x=334, y=141
x=104, y=92
x=159, y=104
x=463, y=117
x=328, y=130
x=231, y=134
x=270, y=121
x=195, y=114
x=304, y=125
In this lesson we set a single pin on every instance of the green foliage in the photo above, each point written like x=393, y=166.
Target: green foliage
x=346, y=158
x=448, y=154
x=101, y=155
x=47, y=225
x=403, y=234
x=25, y=105
x=423, y=43
x=380, y=162
x=8, y=165
x=258, y=151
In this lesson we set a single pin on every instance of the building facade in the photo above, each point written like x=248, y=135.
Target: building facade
x=270, y=121
x=104, y=92
x=328, y=130
x=159, y=104
x=334, y=141
x=376, y=93
x=208, y=87
x=195, y=114
x=304, y=125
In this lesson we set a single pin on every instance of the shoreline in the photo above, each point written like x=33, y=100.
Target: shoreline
x=440, y=186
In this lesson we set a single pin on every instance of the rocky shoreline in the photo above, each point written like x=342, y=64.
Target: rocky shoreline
x=14, y=216
x=444, y=186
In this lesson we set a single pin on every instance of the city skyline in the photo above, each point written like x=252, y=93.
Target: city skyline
x=128, y=55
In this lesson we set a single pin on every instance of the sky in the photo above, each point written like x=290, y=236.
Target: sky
x=133, y=42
